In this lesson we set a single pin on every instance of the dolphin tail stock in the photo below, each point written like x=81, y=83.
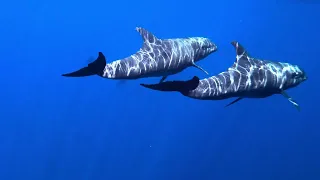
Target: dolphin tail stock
x=179, y=86
x=94, y=68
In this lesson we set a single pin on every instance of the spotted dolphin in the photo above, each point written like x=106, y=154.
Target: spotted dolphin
x=248, y=77
x=156, y=58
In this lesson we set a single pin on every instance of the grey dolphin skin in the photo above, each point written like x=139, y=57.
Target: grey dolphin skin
x=247, y=78
x=156, y=58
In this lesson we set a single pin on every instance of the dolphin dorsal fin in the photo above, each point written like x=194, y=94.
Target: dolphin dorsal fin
x=147, y=36
x=242, y=56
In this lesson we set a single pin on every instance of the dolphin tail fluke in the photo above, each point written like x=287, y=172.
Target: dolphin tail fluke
x=80, y=73
x=94, y=68
x=179, y=86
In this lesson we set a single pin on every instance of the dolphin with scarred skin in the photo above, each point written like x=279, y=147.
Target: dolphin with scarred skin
x=156, y=58
x=248, y=77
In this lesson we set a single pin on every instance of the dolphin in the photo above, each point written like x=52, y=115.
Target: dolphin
x=156, y=58
x=248, y=77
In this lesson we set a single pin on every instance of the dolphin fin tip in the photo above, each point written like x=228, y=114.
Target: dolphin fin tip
x=79, y=73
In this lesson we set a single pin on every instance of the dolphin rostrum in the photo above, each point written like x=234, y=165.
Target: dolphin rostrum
x=247, y=78
x=156, y=58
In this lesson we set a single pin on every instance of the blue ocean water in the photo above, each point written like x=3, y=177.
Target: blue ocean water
x=57, y=128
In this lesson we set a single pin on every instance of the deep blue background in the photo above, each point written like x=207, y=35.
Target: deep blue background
x=58, y=128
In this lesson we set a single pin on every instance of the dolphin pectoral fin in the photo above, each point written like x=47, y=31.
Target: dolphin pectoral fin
x=94, y=68
x=198, y=67
x=236, y=100
x=296, y=105
x=163, y=78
